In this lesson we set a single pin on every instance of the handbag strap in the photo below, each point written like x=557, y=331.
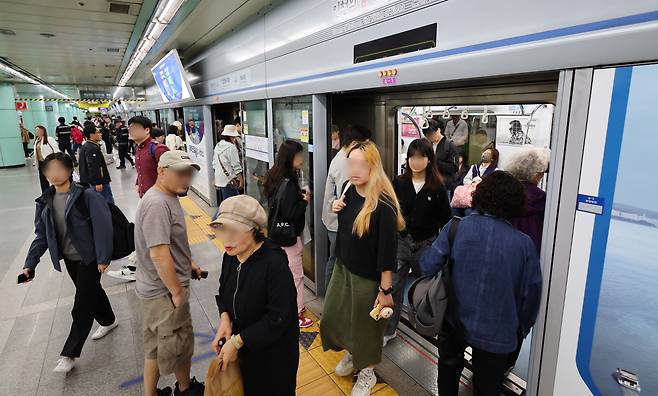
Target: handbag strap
x=452, y=297
x=219, y=158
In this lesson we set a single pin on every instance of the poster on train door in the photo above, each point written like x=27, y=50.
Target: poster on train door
x=613, y=270
x=200, y=147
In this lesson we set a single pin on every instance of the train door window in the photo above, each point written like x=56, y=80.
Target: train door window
x=293, y=120
x=256, y=159
x=475, y=128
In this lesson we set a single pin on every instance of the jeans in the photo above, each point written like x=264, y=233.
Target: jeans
x=409, y=252
x=331, y=261
x=106, y=192
x=90, y=303
x=488, y=368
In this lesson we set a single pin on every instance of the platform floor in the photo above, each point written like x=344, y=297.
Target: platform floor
x=35, y=318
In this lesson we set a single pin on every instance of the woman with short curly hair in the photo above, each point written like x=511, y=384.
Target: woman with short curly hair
x=496, y=279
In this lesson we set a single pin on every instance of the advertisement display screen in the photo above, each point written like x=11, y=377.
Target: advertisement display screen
x=169, y=75
x=200, y=148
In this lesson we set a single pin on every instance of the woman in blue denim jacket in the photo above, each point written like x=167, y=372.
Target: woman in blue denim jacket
x=497, y=283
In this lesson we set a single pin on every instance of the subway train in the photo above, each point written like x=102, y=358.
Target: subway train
x=579, y=78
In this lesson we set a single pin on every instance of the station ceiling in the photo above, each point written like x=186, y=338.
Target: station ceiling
x=86, y=44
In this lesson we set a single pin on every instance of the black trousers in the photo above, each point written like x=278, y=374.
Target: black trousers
x=42, y=178
x=124, y=155
x=488, y=368
x=90, y=303
x=65, y=147
x=25, y=150
x=108, y=146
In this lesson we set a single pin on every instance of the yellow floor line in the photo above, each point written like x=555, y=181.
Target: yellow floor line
x=315, y=375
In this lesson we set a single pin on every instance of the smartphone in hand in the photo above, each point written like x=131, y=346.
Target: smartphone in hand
x=22, y=278
x=204, y=275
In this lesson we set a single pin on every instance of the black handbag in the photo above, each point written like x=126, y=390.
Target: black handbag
x=281, y=231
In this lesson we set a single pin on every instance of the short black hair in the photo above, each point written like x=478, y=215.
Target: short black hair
x=63, y=158
x=354, y=133
x=156, y=132
x=89, y=129
x=433, y=126
x=172, y=130
x=61, y=120
x=500, y=194
x=145, y=122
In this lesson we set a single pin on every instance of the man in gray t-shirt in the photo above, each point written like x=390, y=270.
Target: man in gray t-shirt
x=163, y=275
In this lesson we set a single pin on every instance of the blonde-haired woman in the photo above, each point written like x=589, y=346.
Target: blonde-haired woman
x=369, y=218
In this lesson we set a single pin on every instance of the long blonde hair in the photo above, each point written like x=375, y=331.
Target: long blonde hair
x=378, y=188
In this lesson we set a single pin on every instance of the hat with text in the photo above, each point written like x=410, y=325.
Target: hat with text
x=241, y=211
x=230, y=130
x=177, y=160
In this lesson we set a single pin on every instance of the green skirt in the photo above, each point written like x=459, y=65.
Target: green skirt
x=346, y=322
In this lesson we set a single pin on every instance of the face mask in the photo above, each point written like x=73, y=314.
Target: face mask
x=485, y=157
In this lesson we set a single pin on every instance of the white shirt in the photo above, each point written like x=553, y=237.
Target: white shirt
x=336, y=177
x=46, y=147
x=468, y=179
x=418, y=185
x=227, y=153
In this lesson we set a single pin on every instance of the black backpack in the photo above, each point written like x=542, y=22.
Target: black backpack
x=123, y=231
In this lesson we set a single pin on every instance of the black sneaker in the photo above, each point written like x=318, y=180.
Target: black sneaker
x=166, y=391
x=196, y=389
x=121, y=167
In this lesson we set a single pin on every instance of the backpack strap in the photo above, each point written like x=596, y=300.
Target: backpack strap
x=152, y=150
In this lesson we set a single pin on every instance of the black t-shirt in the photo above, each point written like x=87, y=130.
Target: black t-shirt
x=376, y=251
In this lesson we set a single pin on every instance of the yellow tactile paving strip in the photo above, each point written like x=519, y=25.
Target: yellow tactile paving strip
x=315, y=375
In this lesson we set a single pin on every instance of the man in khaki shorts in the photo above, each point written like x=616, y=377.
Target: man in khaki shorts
x=163, y=278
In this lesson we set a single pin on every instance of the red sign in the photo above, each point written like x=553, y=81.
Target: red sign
x=410, y=131
x=20, y=106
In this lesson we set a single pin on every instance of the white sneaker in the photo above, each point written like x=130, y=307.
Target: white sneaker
x=388, y=338
x=345, y=367
x=364, y=382
x=102, y=331
x=64, y=365
x=125, y=273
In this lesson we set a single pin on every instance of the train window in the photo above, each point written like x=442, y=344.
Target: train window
x=254, y=128
x=508, y=128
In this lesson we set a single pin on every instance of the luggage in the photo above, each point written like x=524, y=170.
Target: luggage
x=223, y=383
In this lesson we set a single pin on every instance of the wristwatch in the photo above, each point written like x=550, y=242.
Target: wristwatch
x=386, y=291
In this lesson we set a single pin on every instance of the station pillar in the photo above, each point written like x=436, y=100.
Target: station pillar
x=11, y=146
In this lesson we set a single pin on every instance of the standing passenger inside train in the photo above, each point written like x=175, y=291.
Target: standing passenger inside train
x=529, y=167
x=369, y=219
x=488, y=164
x=256, y=301
x=497, y=286
x=287, y=203
x=445, y=150
x=425, y=207
x=336, y=177
x=227, y=165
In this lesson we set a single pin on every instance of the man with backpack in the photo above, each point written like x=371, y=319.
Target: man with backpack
x=123, y=142
x=148, y=153
x=93, y=170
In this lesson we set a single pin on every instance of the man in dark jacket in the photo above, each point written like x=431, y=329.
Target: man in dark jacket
x=123, y=142
x=107, y=137
x=74, y=224
x=63, y=133
x=447, y=154
x=93, y=170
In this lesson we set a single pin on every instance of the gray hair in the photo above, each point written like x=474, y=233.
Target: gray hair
x=526, y=163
